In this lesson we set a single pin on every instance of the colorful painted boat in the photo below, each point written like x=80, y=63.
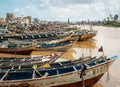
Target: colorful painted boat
x=8, y=63
x=85, y=34
x=15, y=49
x=42, y=37
x=57, y=45
x=60, y=46
x=59, y=77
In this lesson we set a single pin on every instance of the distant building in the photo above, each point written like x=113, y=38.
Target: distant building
x=43, y=22
x=10, y=17
x=2, y=20
x=27, y=20
x=30, y=19
x=68, y=21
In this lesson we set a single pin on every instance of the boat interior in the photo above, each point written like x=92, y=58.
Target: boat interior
x=45, y=45
x=29, y=72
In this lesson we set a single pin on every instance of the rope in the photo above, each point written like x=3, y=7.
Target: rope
x=108, y=75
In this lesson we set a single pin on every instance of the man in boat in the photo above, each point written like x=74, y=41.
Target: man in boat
x=83, y=68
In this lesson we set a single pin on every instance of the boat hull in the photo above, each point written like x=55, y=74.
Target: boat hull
x=88, y=83
x=87, y=36
x=20, y=50
x=71, y=79
x=58, y=48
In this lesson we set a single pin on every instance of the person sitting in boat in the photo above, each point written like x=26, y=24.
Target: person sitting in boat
x=83, y=68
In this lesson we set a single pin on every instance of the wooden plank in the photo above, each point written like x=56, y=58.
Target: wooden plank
x=37, y=72
x=5, y=75
x=33, y=75
x=12, y=67
x=45, y=75
x=60, y=63
x=74, y=68
x=57, y=72
x=19, y=67
x=1, y=64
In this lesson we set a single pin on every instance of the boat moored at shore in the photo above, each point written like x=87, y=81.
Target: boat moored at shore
x=59, y=77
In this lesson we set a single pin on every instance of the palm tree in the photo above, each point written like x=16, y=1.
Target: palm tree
x=116, y=17
x=108, y=19
x=111, y=17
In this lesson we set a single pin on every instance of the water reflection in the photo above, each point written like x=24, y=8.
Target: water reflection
x=85, y=48
x=88, y=44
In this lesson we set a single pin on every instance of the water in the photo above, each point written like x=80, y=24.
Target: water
x=109, y=38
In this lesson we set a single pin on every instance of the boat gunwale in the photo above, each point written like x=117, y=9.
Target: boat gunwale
x=54, y=76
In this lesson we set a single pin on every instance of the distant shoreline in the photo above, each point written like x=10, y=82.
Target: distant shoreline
x=112, y=24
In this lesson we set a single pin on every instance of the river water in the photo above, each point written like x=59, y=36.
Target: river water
x=109, y=39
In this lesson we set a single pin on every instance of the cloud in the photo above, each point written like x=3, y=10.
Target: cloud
x=76, y=10
x=64, y=3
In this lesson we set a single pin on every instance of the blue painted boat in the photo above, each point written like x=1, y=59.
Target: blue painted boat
x=57, y=77
x=59, y=46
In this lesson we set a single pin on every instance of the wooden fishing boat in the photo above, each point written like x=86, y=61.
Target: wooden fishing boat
x=42, y=37
x=14, y=49
x=59, y=46
x=59, y=77
x=28, y=62
x=85, y=34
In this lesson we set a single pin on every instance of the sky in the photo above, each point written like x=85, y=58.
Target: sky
x=61, y=10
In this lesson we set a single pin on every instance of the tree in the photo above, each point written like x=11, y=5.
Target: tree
x=111, y=17
x=116, y=17
x=108, y=19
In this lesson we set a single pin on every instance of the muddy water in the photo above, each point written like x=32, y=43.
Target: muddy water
x=107, y=37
